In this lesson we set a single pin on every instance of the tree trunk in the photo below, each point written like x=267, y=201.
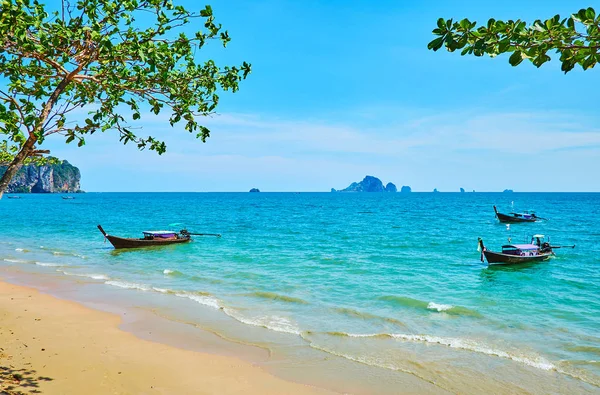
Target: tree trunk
x=27, y=149
x=16, y=164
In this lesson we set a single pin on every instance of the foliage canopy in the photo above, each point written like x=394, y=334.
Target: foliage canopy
x=114, y=58
x=576, y=39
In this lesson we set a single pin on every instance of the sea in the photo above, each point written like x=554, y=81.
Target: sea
x=355, y=292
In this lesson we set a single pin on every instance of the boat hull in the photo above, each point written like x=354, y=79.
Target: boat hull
x=495, y=258
x=511, y=219
x=122, y=242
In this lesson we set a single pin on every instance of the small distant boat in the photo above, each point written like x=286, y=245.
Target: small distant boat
x=513, y=218
x=151, y=238
x=536, y=251
x=14, y=197
x=68, y=197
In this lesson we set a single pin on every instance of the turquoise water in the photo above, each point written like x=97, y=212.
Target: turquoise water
x=388, y=280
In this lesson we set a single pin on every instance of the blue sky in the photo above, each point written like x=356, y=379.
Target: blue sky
x=342, y=89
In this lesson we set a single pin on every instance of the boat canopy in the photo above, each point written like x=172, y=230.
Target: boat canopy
x=159, y=232
x=521, y=247
x=538, y=236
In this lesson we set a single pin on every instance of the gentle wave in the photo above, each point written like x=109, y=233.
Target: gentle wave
x=373, y=362
x=202, y=298
x=92, y=275
x=128, y=285
x=457, y=343
x=366, y=316
x=48, y=264
x=585, y=349
x=14, y=260
x=60, y=253
x=21, y=250
x=274, y=323
x=405, y=301
x=277, y=297
x=174, y=273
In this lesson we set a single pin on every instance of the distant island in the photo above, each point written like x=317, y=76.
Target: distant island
x=369, y=184
x=462, y=190
x=507, y=191
x=435, y=190
x=254, y=190
x=405, y=189
x=62, y=177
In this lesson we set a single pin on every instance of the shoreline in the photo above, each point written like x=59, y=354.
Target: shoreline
x=286, y=369
x=153, y=318
x=59, y=346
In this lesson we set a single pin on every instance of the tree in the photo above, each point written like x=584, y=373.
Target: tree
x=576, y=39
x=96, y=52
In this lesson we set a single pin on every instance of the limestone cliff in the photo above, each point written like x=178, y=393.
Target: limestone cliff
x=59, y=178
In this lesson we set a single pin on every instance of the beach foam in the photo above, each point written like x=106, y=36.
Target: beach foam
x=92, y=275
x=48, y=264
x=128, y=285
x=13, y=260
x=274, y=323
x=471, y=345
x=203, y=299
x=457, y=343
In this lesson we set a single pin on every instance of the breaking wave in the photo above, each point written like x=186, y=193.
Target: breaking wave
x=430, y=306
x=174, y=273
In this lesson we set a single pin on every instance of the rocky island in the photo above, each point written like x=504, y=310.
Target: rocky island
x=254, y=190
x=62, y=177
x=368, y=184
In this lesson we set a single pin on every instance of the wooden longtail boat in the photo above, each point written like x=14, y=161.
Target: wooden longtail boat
x=517, y=253
x=536, y=251
x=151, y=238
x=513, y=218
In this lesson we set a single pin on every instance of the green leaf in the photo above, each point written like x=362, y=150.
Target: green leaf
x=436, y=44
x=516, y=58
x=590, y=14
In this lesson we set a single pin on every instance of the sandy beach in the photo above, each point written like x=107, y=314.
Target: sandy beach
x=53, y=346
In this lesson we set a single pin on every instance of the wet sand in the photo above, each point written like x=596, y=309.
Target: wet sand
x=53, y=346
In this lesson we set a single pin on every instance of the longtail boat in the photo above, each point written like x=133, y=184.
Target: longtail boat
x=151, y=238
x=513, y=218
x=536, y=251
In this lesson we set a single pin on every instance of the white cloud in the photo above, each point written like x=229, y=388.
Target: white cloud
x=446, y=151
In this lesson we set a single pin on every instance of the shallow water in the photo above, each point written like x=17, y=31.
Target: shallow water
x=392, y=281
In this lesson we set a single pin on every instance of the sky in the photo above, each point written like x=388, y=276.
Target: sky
x=343, y=89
